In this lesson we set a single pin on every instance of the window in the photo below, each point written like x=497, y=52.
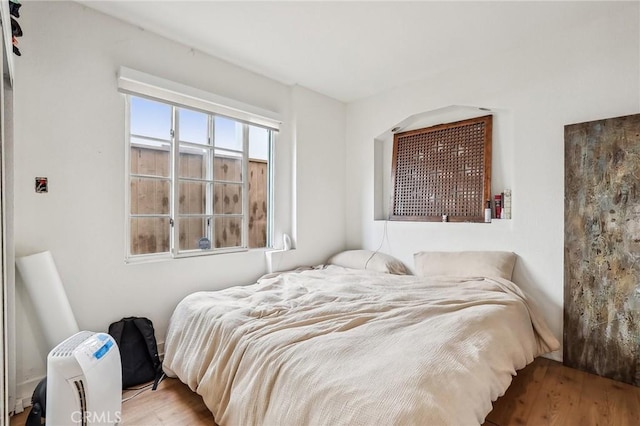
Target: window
x=199, y=182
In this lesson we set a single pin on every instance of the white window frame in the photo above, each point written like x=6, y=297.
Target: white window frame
x=135, y=83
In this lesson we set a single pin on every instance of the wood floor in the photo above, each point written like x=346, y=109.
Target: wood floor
x=172, y=403
x=544, y=393
x=548, y=393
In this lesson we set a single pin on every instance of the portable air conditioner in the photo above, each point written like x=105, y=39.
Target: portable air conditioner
x=84, y=381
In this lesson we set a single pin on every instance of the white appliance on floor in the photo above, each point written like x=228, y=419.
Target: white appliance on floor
x=84, y=381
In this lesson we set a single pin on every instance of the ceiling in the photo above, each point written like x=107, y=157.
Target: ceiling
x=351, y=50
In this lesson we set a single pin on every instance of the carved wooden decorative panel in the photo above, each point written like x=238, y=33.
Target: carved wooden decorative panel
x=442, y=170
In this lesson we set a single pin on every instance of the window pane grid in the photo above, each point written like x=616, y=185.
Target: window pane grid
x=193, y=145
x=245, y=173
x=184, y=179
x=233, y=182
x=150, y=235
x=150, y=118
x=192, y=197
x=150, y=138
x=207, y=168
x=194, y=127
x=228, y=169
x=150, y=160
x=230, y=152
x=149, y=196
x=156, y=177
x=193, y=230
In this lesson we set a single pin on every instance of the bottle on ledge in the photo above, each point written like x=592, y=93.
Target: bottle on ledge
x=487, y=212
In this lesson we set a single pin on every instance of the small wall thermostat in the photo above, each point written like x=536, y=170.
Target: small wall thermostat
x=42, y=185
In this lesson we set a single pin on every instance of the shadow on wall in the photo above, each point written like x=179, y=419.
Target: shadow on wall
x=543, y=302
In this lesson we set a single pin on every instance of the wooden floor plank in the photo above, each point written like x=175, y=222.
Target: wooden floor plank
x=595, y=405
x=173, y=403
x=622, y=402
x=544, y=393
x=515, y=406
x=559, y=397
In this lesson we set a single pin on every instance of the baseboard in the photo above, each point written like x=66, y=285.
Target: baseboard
x=554, y=356
x=24, y=391
x=21, y=405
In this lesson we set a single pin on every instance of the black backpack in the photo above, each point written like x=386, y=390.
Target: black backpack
x=138, y=351
x=38, y=404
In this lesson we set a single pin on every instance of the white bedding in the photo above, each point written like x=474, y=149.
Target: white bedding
x=340, y=346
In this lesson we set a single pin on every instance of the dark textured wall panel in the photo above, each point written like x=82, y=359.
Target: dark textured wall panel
x=602, y=247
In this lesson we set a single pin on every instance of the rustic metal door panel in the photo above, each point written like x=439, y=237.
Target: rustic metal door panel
x=602, y=247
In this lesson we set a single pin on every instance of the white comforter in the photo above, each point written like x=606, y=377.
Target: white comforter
x=340, y=346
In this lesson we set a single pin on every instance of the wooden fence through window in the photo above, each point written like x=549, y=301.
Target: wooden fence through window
x=152, y=197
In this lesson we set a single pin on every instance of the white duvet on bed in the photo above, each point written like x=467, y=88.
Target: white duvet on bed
x=341, y=346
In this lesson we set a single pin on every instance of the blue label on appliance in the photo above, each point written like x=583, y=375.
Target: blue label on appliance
x=103, y=350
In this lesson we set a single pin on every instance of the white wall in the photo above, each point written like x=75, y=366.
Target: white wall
x=69, y=126
x=589, y=71
x=69, y=123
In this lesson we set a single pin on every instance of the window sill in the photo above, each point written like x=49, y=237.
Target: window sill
x=275, y=258
x=190, y=255
x=494, y=220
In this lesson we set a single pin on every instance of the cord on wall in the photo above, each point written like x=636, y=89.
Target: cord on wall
x=384, y=237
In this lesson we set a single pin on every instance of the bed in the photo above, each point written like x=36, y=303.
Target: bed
x=341, y=346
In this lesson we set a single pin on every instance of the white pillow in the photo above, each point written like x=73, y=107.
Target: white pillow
x=465, y=263
x=369, y=260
